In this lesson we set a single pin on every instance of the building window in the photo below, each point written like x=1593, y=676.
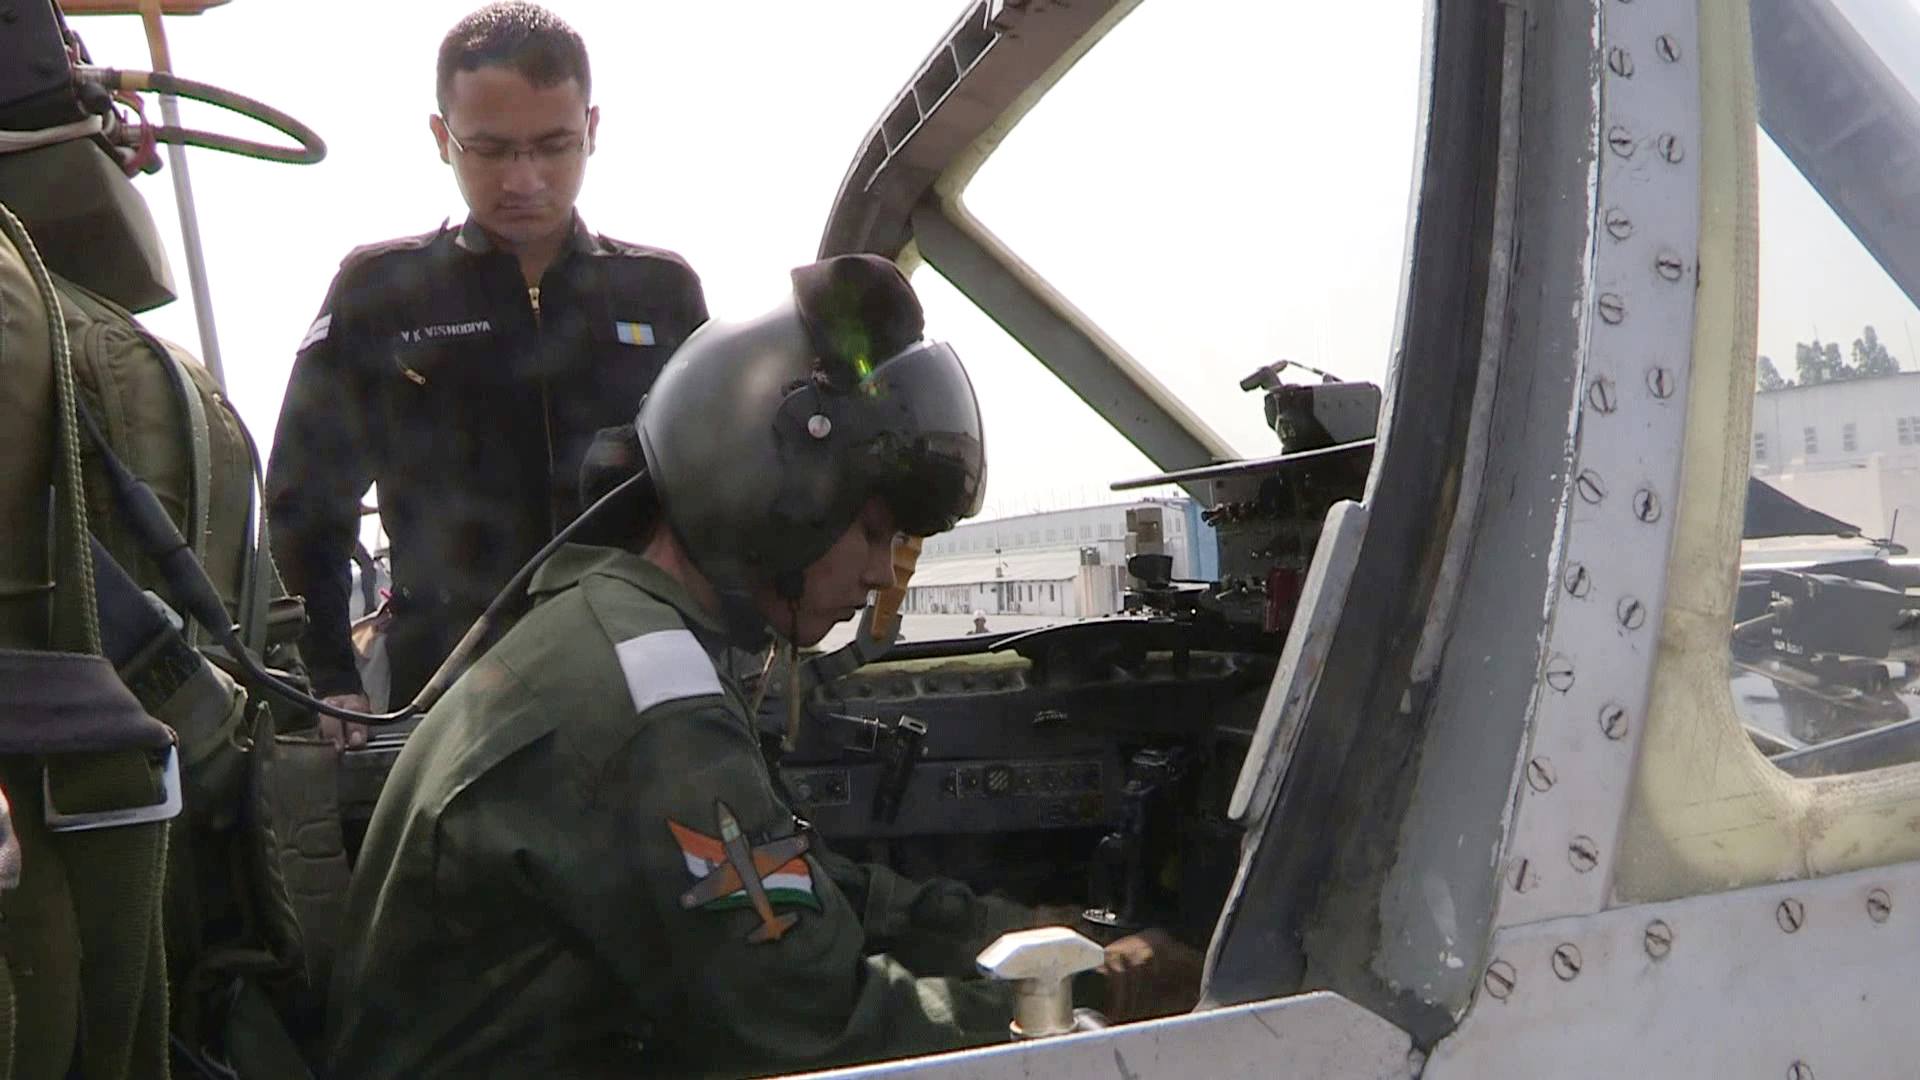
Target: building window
x=1759, y=446
x=1847, y=440
x=1106, y=532
x=1909, y=428
x=1050, y=595
x=1812, y=441
x=1052, y=535
x=1086, y=532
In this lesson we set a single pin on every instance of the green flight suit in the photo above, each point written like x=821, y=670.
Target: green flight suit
x=517, y=905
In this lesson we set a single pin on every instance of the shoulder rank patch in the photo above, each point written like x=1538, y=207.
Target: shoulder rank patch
x=730, y=873
x=633, y=333
x=316, y=333
x=666, y=665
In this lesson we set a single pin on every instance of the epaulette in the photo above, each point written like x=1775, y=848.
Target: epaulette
x=626, y=250
x=366, y=252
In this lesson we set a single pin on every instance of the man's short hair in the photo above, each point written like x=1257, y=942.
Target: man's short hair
x=527, y=38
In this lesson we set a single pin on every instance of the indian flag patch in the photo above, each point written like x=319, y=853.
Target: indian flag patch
x=633, y=333
x=781, y=871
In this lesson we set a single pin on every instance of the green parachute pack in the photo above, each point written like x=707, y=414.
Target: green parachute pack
x=170, y=841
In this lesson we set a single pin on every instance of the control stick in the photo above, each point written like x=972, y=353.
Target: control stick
x=1041, y=963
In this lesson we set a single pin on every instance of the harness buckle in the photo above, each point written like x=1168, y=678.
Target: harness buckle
x=166, y=809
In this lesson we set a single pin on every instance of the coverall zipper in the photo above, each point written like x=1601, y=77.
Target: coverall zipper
x=546, y=411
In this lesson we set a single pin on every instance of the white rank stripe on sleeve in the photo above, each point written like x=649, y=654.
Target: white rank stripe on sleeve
x=316, y=333
x=666, y=665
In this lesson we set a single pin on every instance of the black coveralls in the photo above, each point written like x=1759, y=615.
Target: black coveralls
x=470, y=399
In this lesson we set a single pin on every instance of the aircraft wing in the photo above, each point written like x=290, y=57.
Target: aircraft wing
x=1771, y=512
x=775, y=854
x=724, y=881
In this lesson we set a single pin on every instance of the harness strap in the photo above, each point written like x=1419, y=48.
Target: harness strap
x=200, y=507
x=100, y=976
x=108, y=785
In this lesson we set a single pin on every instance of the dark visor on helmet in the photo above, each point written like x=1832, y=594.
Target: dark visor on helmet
x=924, y=448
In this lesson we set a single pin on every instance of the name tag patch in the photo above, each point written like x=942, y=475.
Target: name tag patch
x=442, y=331
x=633, y=333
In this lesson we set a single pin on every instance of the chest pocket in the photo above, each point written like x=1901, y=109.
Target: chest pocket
x=469, y=353
x=635, y=341
x=450, y=400
x=636, y=331
x=618, y=351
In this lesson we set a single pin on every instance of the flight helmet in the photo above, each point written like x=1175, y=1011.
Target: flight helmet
x=764, y=438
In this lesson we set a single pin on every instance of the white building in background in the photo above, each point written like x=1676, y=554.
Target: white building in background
x=1067, y=563
x=1849, y=448
x=1021, y=583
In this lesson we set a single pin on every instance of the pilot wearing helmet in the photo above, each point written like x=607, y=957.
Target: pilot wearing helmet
x=581, y=863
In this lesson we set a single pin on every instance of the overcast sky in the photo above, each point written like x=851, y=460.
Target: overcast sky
x=1214, y=184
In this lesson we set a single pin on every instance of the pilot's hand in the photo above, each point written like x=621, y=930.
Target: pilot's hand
x=1150, y=974
x=345, y=733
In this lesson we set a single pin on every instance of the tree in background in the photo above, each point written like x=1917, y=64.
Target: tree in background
x=1819, y=361
x=1870, y=356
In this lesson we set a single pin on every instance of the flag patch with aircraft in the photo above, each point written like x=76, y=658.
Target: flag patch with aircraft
x=731, y=873
x=633, y=333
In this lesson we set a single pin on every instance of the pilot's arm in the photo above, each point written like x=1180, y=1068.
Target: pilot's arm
x=316, y=475
x=733, y=995
x=934, y=927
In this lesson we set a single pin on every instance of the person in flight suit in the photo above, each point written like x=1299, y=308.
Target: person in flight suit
x=465, y=370
x=582, y=864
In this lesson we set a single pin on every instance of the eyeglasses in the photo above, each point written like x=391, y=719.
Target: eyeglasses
x=547, y=153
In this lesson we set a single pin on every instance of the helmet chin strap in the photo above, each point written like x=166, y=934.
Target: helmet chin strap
x=794, y=710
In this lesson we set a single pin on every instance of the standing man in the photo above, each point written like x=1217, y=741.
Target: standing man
x=466, y=369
